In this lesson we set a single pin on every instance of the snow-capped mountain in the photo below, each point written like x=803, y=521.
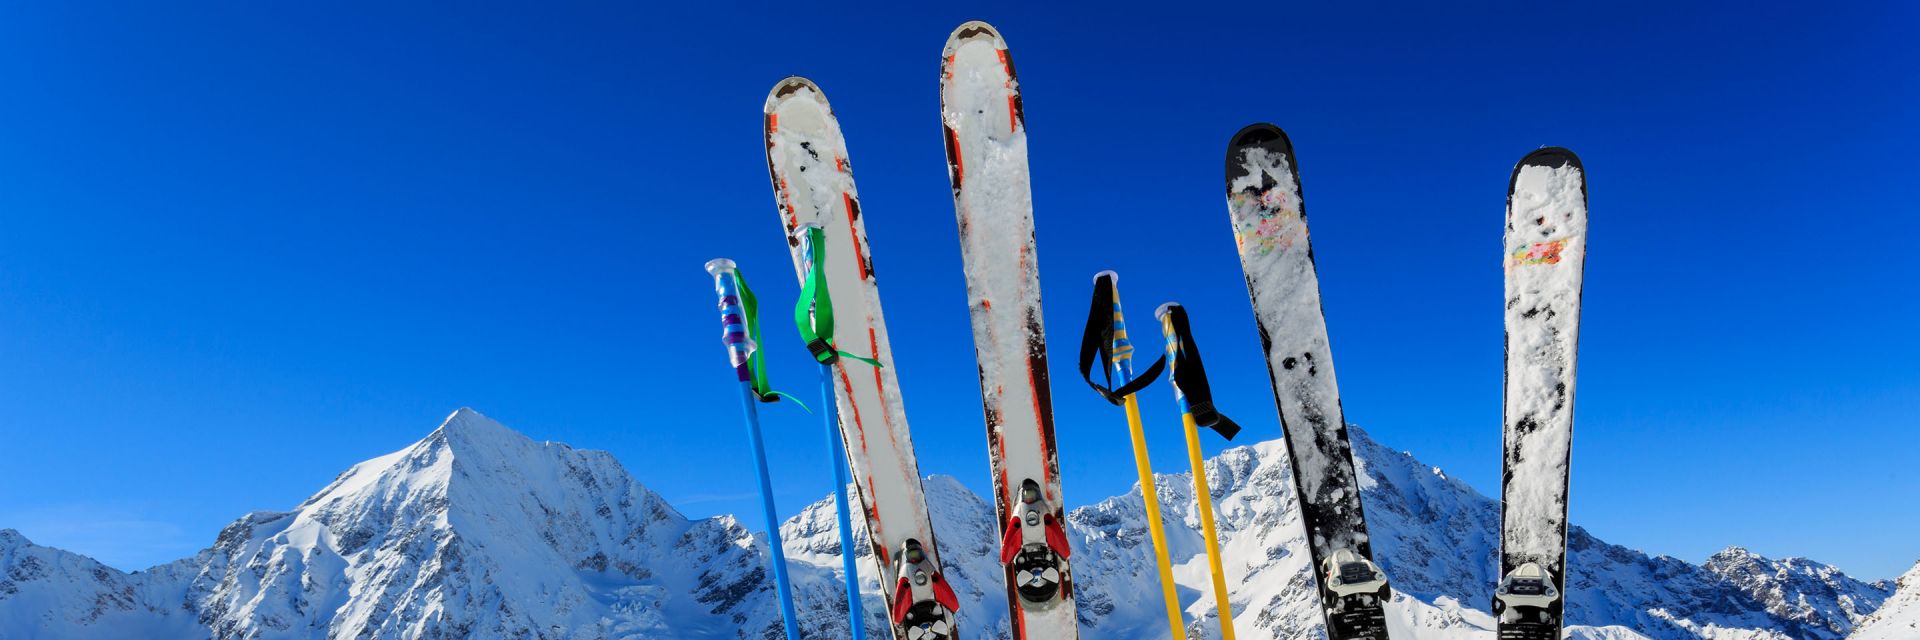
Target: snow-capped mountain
x=1899, y=617
x=479, y=532
x=474, y=532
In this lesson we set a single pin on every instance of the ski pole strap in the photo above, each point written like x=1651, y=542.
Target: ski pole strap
x=1106, y=340
x=740, y=329
x=1189, y=376
x=813, y=314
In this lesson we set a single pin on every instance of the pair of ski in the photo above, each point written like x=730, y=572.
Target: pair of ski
x=1545, y=251
x=820, y=211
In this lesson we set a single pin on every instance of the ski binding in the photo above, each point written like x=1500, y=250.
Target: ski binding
x=1348, y=575
x=1035, y=545
x=923, y=603
x=1525, y=594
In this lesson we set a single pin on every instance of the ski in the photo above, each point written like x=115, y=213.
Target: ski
x=820, y=212
x=1545, y=255
x=1270, y=228
x=986, y=139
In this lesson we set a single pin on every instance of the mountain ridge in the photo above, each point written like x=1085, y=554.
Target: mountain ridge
x=477, y=530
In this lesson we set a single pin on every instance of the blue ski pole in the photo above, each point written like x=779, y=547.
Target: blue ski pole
x=814, y=316
x=735, y=321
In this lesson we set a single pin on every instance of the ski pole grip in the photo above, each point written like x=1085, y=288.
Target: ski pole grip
x=1164, y=313
x=1161, y=314
x=815, y=314
x=804, y=233
x=733, y=317
x=1119, y=346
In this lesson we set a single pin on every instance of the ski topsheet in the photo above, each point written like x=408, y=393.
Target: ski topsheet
x=1270, y=227
x=986, y=138
x=1545, y=253
x=813, y=185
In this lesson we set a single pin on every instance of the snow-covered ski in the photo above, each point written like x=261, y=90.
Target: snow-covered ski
x=813, y=185
x=986, y=138
x=1270, y=228
x=1545, y=254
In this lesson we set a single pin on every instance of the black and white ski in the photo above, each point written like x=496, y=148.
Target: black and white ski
x=813, y=185
x=1545, y=254
x=1270, y=227
x=986, y=139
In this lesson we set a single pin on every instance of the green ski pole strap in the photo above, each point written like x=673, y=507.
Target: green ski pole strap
x=757, y=362
x=813, y=314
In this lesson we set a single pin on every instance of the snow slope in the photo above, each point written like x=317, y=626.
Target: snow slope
x=478, y=531
x=1899, y=617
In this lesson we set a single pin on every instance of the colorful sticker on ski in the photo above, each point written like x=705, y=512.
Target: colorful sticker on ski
x=1276, y=227
x=1537, y=253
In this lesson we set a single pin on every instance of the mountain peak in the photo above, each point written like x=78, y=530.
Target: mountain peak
x=467, y=427
x=10, y=538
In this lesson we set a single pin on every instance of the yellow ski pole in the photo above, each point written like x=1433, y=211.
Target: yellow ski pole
x=1195, y=398
x=1107, y=336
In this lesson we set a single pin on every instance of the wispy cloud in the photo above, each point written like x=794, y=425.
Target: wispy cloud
x=709, y=498
x=121, y=537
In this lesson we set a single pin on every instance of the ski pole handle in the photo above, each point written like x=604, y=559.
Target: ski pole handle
x=1122, y=347
x=804, y=234
x=1188, y=375
x=1164, y=313
x=733, y=317
x=814, y=312
x=1105, y=342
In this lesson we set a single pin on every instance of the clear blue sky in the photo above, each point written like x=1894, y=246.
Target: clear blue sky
x=245, y=246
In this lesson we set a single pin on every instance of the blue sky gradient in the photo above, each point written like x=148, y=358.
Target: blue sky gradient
x=245, y=246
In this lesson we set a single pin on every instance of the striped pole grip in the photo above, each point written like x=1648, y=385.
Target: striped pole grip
x=733, y=317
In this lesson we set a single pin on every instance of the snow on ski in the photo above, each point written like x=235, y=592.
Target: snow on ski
x=813, y=184
x=1270, y=228
x=986, y=140
x=1545, y=254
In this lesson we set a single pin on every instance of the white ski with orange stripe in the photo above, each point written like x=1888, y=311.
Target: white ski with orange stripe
x=813, y=184
x=986, y=137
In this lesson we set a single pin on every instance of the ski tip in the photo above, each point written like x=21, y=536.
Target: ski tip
x=1164, y=309
x=1549, y=157
x=973, y=30
x=1259, y=135
x=1552, y=157
x=719, y=266
x=1107, y=275
x=792, y=86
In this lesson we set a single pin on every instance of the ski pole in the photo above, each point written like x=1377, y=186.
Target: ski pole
x=736, y=335
x=1195, y=398
x=1106, y=336
x=814, y=316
